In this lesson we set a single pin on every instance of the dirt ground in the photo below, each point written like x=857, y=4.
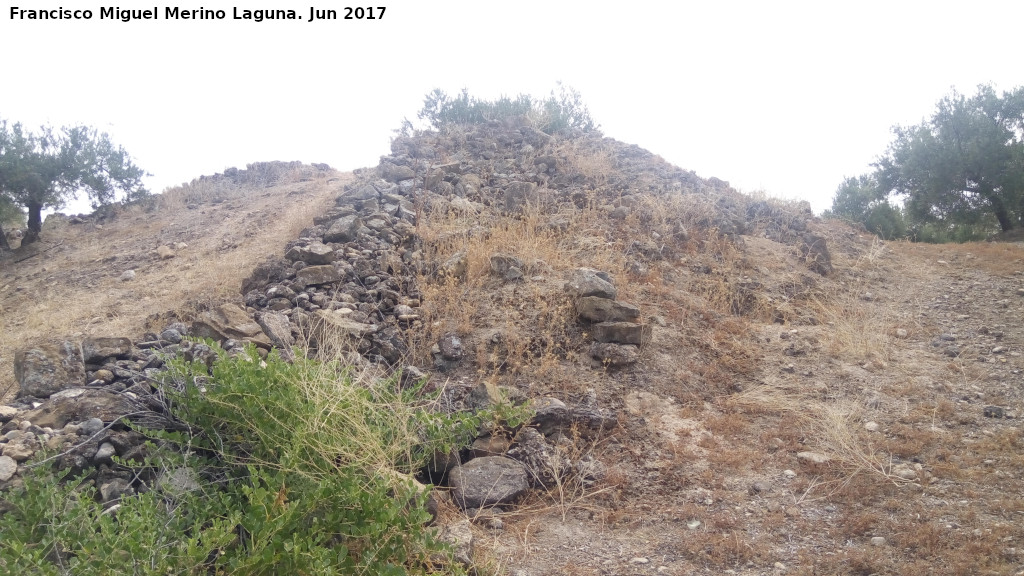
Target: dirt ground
x=907, y=391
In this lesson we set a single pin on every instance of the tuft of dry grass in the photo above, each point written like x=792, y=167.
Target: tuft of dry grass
x=833, y=428
x=531, y=325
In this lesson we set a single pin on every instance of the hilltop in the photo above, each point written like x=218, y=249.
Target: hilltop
x=723, y=382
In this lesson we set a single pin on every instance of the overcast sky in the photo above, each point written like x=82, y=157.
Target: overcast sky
x=785, y=97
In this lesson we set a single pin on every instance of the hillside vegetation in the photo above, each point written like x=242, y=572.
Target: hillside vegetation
x=686, y=379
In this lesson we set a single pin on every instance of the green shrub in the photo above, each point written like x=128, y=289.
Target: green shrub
x=558, y=113
x=55, y=524
x=305, y=469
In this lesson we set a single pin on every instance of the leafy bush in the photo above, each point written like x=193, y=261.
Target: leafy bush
x=559, y=113
x=55, y=524
x=941, y=233
x=305, y=470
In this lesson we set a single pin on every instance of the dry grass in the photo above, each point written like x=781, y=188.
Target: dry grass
x=592, y=160
x=532, y=324
x=832, y=428
x=73, y=289
x=999, y=258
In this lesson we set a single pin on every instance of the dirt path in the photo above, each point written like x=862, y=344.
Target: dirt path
x=899, y=388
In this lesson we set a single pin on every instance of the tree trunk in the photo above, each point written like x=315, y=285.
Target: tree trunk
x=35, y=223
x=4, y=246
x=1005, y=222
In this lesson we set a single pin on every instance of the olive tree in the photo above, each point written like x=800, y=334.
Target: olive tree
x=45, y=169
x=965, y=164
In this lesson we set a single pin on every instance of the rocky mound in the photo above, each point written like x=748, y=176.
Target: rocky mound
x=647, y=315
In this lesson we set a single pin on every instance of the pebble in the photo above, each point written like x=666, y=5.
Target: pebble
x=639, y=561
x=128, y=275
x=877, y=541
x=901, y=333
x=789, y=474
x=871, y=426
x=693, y=524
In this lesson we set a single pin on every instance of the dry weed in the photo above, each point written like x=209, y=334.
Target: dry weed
x=833, y=428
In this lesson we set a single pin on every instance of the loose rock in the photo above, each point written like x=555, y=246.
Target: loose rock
x=488, y=481
x=8, y=467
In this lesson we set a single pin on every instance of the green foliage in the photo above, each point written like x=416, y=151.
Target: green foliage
x=963, y=166
x=565, y=112
x=10, y=214
x=558, y=113
x=305, y=467
x=886, y=221
x=941, y=233
x=46, y=169
x=56, y=525
x=860, y=200
x=855, y=197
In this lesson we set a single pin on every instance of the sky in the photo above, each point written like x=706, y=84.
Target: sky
x=782, y=97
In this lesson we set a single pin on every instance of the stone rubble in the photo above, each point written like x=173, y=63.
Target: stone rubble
x=348, y=282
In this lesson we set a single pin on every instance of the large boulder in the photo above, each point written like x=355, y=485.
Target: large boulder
x=597, y=309
x=98, y=350
x=277, y=327
x=229, y=321
x=78, y=404
x=356, y=197
x=344, y=229
x=313, y=253
x=588, y=282
x=317, y=275
x=488, y=481
x=395, y=173
x=336, y=329
x=622, y=332
x=45, y=370
x=614, y=355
